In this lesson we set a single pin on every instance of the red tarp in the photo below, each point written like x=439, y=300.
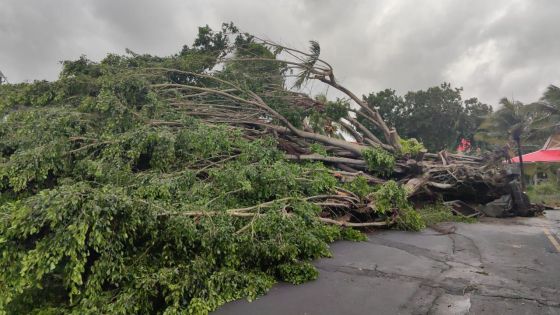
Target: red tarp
x=540, y=156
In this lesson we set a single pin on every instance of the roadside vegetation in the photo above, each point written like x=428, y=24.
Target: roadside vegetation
x=547, y=193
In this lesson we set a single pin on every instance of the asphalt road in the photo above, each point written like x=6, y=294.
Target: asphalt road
x=497, y=266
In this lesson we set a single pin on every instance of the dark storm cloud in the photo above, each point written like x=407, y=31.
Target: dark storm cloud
x=491, y=48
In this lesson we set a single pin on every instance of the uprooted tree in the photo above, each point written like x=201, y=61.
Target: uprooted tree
x=169, y=185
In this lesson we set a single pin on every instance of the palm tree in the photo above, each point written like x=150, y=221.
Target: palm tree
x=546, y=112
x=510, y=122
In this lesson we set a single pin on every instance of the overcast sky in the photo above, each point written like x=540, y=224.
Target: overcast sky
x=491, y=48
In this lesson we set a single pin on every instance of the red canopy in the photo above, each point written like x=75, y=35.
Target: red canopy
x=550, y=156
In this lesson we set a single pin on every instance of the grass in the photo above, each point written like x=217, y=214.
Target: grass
x=547, y=193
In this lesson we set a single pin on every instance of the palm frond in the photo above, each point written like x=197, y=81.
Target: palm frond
x=542, y=107
x=315, y=49
x=552, y=95
x=308, y=64
x=278, y=50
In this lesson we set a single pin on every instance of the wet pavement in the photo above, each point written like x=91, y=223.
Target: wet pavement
x=496, y=266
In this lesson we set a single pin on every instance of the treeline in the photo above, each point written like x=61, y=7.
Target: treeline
x=440, y=118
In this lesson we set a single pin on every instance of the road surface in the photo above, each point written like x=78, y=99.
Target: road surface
x=497, y=266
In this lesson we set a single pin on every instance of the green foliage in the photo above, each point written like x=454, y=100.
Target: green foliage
x=360, y=186
x=309, y=63
x=547, y=193
x=511, y=119
x=391, y=198
x=546, y=112
x=411, y=147
x=80, y=67
x=113, y=201
x=546, y=188
x=349, y=234
x=410, y=219
x=297, y=273
x=319, y=149
x=379, y=161
x=528, y=124
x=337, y=109
x=321, y=119
x=253, y=70
x=38, y=93
x=108, y=227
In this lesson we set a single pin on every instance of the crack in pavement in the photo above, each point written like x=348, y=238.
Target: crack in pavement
x=473, y=243
x=374, y=273
x=443, y=283
x=508, y=297
x=452, y=286
x=418, y=251
x=453, y=245
x=434, y=302
x=410, y=249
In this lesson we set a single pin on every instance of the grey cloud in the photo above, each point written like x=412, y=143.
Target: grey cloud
x=491, y=48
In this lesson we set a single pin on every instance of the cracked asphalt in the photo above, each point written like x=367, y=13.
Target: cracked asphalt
x=496, y=266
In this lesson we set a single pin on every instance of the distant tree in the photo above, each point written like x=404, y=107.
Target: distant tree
x=390, y=105
x=474, y=114
x=437, y=116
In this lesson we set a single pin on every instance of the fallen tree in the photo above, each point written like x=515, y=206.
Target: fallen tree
x=379, y=158
x=143, y=184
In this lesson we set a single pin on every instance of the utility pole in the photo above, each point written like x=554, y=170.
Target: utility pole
x=517, y=138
